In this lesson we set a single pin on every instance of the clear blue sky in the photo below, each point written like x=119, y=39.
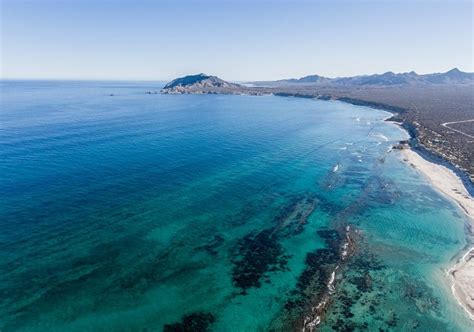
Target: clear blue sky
x=236, y=40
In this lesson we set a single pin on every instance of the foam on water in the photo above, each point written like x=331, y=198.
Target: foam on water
x=381, y=136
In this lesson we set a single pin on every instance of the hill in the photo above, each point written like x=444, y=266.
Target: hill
x=200, y=83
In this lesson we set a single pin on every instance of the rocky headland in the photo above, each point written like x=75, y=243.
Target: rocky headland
x=200, y=83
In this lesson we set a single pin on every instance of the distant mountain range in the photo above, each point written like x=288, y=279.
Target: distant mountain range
x=202, y=83
x=453, y=76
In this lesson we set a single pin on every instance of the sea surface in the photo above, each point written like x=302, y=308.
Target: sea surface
x=127, y=211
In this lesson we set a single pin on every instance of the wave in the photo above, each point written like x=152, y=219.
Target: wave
x=380, y=135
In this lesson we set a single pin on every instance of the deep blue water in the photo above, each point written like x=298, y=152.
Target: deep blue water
x=156, y=212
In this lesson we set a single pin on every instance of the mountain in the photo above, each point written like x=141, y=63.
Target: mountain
x=307, y=79
x=200, y=83
x=386, y=79
x=314, y=79
x=452, y=77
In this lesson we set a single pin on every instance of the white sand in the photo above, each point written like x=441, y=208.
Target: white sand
x=449, y=184
x=462, y=275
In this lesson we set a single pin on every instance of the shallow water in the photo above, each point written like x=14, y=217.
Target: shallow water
x=226, y=213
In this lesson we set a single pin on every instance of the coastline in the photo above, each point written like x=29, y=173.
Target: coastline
x=450, y=181
x=413, y=140
x=445, y=181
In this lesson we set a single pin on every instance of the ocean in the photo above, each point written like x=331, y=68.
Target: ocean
x=127, y=211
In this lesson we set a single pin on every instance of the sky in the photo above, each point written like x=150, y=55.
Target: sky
x=235, y=40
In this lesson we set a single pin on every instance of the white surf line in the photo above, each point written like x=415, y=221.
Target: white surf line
x=451, y=272
x=446, y=125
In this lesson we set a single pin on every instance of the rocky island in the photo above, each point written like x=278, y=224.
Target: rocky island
x=200, y=83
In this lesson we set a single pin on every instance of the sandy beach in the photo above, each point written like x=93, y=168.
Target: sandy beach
x=450, y=185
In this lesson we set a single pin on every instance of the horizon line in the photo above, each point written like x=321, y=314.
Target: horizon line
x=180, y=75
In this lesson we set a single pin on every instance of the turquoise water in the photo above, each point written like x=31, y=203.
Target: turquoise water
x=138, y=212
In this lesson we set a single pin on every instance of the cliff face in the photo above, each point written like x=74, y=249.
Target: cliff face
x=200, y=83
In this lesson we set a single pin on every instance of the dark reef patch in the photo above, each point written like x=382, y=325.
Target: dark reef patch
x=312, y=296
x=328, y=206
x=292, y=218
x=320, y=264
x=363, y=290
x=316, y=286
x=315, y=276
x=257, y=254
x=332, y=238
x=195, y=322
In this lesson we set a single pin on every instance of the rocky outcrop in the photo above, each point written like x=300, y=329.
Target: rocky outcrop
x=200, y=83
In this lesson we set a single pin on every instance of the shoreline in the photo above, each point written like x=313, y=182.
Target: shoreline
x=451, y=182
x=446, y=182
x=446, y=178
x=454, y=184
x=414, y=144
